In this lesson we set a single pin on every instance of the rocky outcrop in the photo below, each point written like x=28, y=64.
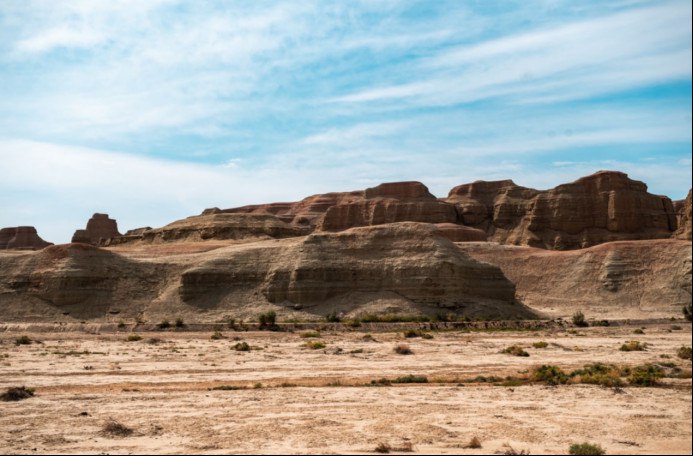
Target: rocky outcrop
x=21, y=237
x=606, y=206
x=99, y=229
x=408, y=260
x=683, y=218
x=624, y=279
x=389, y=203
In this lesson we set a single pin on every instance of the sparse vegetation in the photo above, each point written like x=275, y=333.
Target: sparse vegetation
x=382, y=447
x=549, y=374
x=310, y=334
x=579, y=320
x=16, y=393
x=606, y=375
x=403, y=349
x=633, y=345
x=227, y=388
x=268, y=321
x=394, y=318
x=586, y=449
x=121, y=324
x=474, y=442
x=217, y=335
x=540, y=344
x=381, y=382
x=315, y=345
x=411, y=333
x=116, y=429
x=180, y=323
x=646, y=375
x=515, y=350
x=333, y=317
x=411, y=379
x=242, y=347
x=638, y=331
x=134, y=337
x=684, y=352
x=165, y=324
x=23, y=340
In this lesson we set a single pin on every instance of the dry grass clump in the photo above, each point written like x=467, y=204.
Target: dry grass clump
x=383, y=447
x=242, y=347
x=515, y=350
x=217, y=335
x=315, y=345
x=16, y=393
x=684, y=352
x=540, y=344
x=116, y=429
x=411, y=379
x=474, y=442
x=310, y=334
x=633, y=345
x=646, y=375
x=403, y=349
x=586, y=449
x=134, y=337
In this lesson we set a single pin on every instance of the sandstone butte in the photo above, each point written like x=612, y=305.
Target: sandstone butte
x=601, y=244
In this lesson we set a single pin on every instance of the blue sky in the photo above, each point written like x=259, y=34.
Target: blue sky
x=152, y=111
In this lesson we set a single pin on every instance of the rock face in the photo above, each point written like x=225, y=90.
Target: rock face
x=21, y=237
x=389, y=203
x=606, y=206
x=395, y=268
x=99, y=229
x=624, y=279
x=683, y=218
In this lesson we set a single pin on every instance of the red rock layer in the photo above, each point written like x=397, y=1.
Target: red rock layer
x=21, y=237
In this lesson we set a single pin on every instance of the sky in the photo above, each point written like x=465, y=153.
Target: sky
x=153, y=111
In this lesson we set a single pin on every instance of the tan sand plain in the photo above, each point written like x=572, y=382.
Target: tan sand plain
x=299, y=400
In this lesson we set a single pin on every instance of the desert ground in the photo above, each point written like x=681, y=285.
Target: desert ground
x=183, y=391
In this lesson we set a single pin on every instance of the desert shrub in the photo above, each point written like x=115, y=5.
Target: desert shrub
x=676, y=328
x=164, y=324
x=121, y=324
x=687, y=312
x=382, y=447
x=217, y=335
x=227, y=388
x=410, y=333
x=540, y=344
x=315, y=345
x=549, y=374
x=134, y=337
x=474, y=442
x=646, y=375
x=180, y=323
x=115, y=428
x=411, y=379
x=332, y=317
x=368, y=338
x=579, y=319
x=515, y=350
x=633, y=345
x=242, y=347
x=23, y=340
x=380, y=382
x=606, y=375
x=309, y=334
x=512, y=451
x=355, y=323
x=16, y=393
x=638, y=331
x=230, y=322
x=684, y=352
x=602, y=323
x=585, y=449
x=403, y=349
x=154, y=341
x=268, y=320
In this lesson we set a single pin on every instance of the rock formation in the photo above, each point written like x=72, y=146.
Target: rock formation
x=21, y=237
x=623, y=279
x=99, y=229
x=606, y=206
x=683, y=217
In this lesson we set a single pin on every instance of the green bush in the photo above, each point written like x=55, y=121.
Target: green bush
x=647, y=375
x=268, y=320
x=579, y=319
x=549, y=374
x=606, y=375
x=586, y=449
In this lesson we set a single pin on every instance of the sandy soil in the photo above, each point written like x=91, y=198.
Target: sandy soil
x=299, y=400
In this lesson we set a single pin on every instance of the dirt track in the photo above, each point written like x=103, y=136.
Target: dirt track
x=300, y=400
